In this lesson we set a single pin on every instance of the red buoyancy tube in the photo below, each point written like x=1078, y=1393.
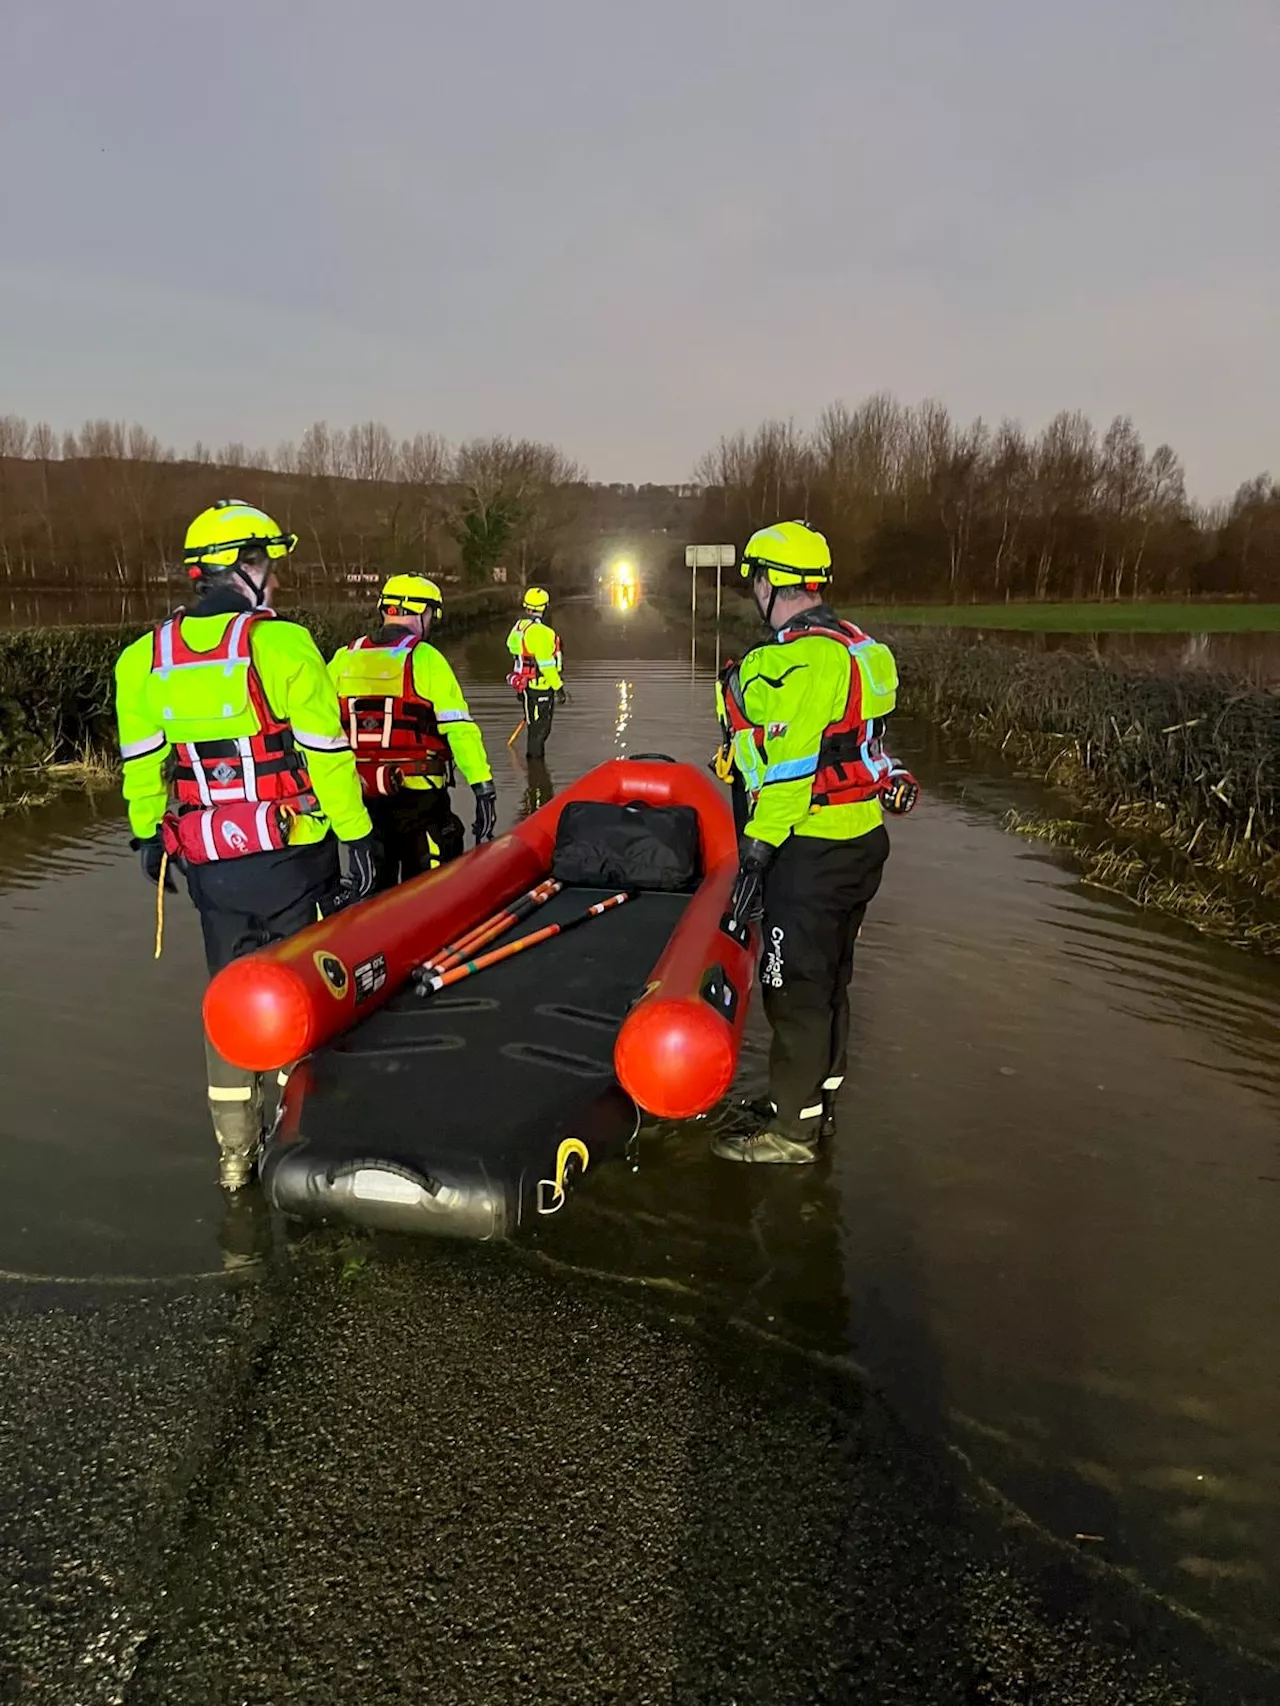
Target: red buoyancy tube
x=393, y=735
x=272, y=1007
x=678, y=1047
x=851, y=768
x=218, y=772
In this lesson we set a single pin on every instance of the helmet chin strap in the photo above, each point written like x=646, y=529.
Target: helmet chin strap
x=257, y=593
x=766, y=615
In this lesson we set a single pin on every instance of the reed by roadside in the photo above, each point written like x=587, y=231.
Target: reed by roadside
x=1181, y=768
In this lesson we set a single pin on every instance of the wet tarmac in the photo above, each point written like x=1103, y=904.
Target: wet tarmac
x=459, y=1479
x=645, y=1457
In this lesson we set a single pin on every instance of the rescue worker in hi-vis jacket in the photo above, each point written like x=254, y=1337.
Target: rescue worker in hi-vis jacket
x=409, y=725
x=806, y=714
x=237, y=771
x=536, y=673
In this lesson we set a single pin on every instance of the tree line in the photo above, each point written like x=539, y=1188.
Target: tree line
x=918, y=506
x=110, y=502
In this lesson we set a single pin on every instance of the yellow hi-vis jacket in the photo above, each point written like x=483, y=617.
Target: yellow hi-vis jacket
x=533, y=638
x=377, y=672
x=794, y=690
x=189, y=706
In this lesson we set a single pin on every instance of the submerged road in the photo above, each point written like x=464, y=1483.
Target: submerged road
x=369, y=1472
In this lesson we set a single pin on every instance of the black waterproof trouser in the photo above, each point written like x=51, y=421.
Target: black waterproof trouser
x=539, y=709
x=414, y=831
x=245, y=904
x=815, y=896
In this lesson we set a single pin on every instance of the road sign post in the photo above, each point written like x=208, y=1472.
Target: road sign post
x=717, y=557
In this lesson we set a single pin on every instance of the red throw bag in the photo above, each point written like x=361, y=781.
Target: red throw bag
x=226, y=832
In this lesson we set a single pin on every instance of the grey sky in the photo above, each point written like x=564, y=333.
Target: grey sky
x=630, y=228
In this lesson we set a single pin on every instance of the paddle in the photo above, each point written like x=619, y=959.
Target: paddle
x=430, y=983
x=513, y=913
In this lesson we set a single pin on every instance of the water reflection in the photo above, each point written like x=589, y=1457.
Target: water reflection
x=1251, y=656
x=538, y=787
x=624, y=717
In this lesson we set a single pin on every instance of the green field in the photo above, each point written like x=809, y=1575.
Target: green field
x=1079, y=618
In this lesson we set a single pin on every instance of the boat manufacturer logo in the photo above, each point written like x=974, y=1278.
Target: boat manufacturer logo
x=333, y=972
x=771, y=972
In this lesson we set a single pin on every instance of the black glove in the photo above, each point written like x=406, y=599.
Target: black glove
x=486, y=811
x=562, y=698
x=746, y=904
x=358, y=881
x=151, y=856
x=900, y=792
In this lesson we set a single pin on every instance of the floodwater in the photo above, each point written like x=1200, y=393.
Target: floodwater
x=1050, y=1227
x=1248, y=655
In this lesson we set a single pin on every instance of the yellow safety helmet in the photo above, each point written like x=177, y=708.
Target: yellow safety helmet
x=410, y=595
x=792, y=553
x=217, y=536
x=536, y=598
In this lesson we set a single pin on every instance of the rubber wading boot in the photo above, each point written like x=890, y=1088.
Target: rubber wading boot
x=777, y=1147
x=238, y=1128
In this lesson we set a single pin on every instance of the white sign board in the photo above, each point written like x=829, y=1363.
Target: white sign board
x=709, y=556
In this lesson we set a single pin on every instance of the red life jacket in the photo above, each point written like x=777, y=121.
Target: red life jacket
x=529, y=668
x=852, y=766
x=265, y=767
x=396, y=735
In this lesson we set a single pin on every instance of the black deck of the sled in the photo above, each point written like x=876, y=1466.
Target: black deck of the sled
x=489, y=1069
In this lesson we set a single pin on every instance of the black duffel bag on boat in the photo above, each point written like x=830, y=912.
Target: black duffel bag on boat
x=633, y=846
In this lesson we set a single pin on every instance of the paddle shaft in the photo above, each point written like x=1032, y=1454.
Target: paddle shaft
x=513, y=913
x=484, y=934
x=442, y=980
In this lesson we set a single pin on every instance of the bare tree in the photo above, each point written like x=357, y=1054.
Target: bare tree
x=15, y=436
x=502, y=498
x=370, y=452
x=423, y=467
x=911, y=499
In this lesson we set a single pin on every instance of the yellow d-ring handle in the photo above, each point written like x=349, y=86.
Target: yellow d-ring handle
x=569, y=1147
x=554, y=1188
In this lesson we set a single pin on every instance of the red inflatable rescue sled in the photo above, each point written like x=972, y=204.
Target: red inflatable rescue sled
x=674, y=1052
